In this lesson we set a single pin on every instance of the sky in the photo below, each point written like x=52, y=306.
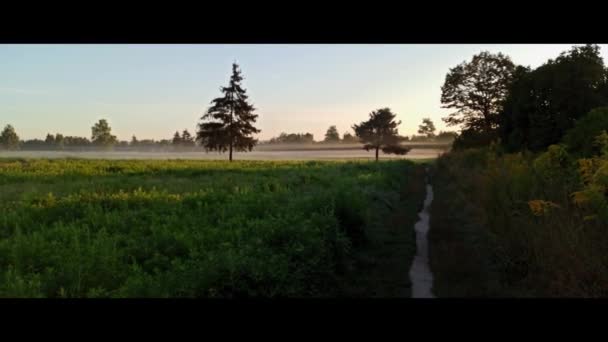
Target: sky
x=151, y=91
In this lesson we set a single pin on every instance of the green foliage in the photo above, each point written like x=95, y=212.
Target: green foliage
x=537, y=221
x=103, y=228
x=580, y=139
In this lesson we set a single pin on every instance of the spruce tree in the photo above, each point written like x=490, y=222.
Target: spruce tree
x=228, y=123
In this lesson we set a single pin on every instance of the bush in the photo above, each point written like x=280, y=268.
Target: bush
x=580, y=139
x=540, y=220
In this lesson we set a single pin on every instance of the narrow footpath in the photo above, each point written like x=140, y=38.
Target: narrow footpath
x=420, y=272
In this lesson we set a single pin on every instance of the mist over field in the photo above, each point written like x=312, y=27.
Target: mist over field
x=262, y=152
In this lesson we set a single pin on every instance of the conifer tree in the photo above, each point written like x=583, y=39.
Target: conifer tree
x=228, y=123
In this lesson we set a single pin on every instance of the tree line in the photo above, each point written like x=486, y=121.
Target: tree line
x=101, y=139
x=521, y=108
x=426, y=133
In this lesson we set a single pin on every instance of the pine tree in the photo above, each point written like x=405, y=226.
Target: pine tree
x=380, y=132
x=228, y=123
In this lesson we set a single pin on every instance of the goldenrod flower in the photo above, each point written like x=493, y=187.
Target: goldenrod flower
x=540, y=207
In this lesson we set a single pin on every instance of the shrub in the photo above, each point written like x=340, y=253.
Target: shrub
x=580, y=139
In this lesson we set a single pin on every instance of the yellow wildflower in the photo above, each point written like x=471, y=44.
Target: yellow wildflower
x=540, y=207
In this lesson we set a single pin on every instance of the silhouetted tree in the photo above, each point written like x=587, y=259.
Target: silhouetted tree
x=187, y=139
x=101, y=134
x=9, y=138
x=380, y=132
x=427, y=128
x=544, y=103
x=332, y=135
x=177, y=139
x=477, y=90
x=134, y=141
x=228, y=123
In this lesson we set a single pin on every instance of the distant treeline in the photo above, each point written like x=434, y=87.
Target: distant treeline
x=332, y=136
x=101, y=140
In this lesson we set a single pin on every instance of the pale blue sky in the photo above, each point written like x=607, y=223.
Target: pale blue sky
x=153, y=90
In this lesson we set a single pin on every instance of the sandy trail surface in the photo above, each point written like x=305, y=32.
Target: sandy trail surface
x=420, y=272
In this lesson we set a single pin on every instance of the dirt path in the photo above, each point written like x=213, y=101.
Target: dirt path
x=420, y=272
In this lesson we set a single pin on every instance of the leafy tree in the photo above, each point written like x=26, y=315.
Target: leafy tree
x=101, y=134
x=380, y=132
x=544, y=103
x=332, y=135
x=134, y=141
x=9, y=138
x=477, y=90
x=187, y=138
x=427, y=128
x=228, y=123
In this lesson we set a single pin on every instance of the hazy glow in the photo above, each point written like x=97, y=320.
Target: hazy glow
x=153, y=90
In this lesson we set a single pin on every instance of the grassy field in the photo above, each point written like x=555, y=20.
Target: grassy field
x=117, y=228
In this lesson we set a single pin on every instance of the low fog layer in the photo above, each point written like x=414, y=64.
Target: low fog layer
x=415, y=153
